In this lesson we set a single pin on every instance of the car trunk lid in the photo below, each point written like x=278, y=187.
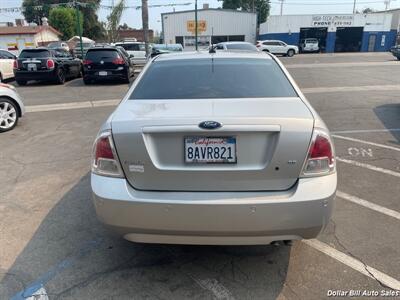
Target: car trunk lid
x=272, y=137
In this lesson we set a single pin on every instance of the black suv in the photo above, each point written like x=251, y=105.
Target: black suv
x=107, y=63
x=44, y=64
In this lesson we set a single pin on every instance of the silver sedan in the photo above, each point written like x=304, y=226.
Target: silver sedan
x=217, y=149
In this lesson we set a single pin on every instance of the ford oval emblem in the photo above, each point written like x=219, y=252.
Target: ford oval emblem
x=210, y=125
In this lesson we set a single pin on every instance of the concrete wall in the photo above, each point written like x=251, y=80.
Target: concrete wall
x=222, y=22
x=16, y=42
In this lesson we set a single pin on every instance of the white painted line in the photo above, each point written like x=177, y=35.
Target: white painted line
x=71, y=105
x=368, y=166
x=362, y=88
x=342, y=64
x=370, y=205
x=40, y=294
x=365, y=142
x=353, y=263
x=367, y=130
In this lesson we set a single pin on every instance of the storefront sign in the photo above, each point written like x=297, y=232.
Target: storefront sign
x=201, y=26
x=332, y=21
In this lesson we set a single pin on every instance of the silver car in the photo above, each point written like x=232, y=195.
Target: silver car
x=11, y=107
x=218, y=149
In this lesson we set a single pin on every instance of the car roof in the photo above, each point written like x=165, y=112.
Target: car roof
x=129, y=43
x=206, y=54
x=233, y=42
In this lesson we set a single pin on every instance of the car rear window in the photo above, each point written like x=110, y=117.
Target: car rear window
x=249, y=47
x=213, y=78
x=35, y=53
x=102, y=54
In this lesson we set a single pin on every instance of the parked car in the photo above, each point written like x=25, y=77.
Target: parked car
x=277, y=47
x=45, y=64
x=214, y=149
x=58, y=45
x=11, y=107
x=85, y=47
x=235, y=46
x=309, y=45
x=158, y=49
x=137, y=49
x=6, y=65
x=396, y=51
x=107, y=63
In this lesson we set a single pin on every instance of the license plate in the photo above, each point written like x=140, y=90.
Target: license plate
x=210, y=150
x=32, y=67
x=103, y=73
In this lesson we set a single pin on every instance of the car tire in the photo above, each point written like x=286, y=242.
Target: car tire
x=290, y=53
x=86, y=81
x=21, y=82
x=398, y=57
x=60, y=76
x=6, y=106
x=127, y=79
x=80, y=74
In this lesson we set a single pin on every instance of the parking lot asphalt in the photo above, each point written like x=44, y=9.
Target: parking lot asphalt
x=53, y=245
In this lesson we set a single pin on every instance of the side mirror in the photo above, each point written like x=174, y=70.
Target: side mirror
x=131, y=56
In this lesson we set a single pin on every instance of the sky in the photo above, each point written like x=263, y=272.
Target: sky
x=132, y=16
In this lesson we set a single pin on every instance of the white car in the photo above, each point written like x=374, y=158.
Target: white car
x=6, y=65
x=11, y=107
x=277, y=47
x=137, y=49
x=309, y=45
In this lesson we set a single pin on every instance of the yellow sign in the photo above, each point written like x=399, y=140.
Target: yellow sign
x=201, y=26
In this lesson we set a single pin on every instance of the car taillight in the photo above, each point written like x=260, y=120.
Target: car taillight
x=105, y=161
x=321, y=155
x=15, y=64
x=87, y=62
x=50, y=64
x=118, y=61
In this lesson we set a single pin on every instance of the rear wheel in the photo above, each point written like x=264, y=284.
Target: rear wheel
x=60, y=76
x=398, y=57
x=21, y=82
x=8, y=114
x=127, y=79
x=86, y=80
x=290, y=52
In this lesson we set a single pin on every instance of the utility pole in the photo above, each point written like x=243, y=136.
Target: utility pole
x=78, y=24
x=281, y=7
x=354, y=7
x=145, y=21
x=195, y=22
x=387, y=4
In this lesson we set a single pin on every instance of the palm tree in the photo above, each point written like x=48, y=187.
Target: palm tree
x=145, y=21
x=113, y=21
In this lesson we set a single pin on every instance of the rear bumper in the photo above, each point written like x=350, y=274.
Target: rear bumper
x=214, y=218
x=111, y=74
x=36, y=75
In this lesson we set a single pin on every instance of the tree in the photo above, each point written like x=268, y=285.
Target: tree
x=64, y=20
x=124, y=26
x=92, y=27
x=145, y=21
x=113, y=21
x=261, y=7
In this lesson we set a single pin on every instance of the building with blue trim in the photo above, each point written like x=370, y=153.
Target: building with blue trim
x=335, y=33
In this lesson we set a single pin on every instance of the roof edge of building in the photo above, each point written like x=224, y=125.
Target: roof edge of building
x=205, y=9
